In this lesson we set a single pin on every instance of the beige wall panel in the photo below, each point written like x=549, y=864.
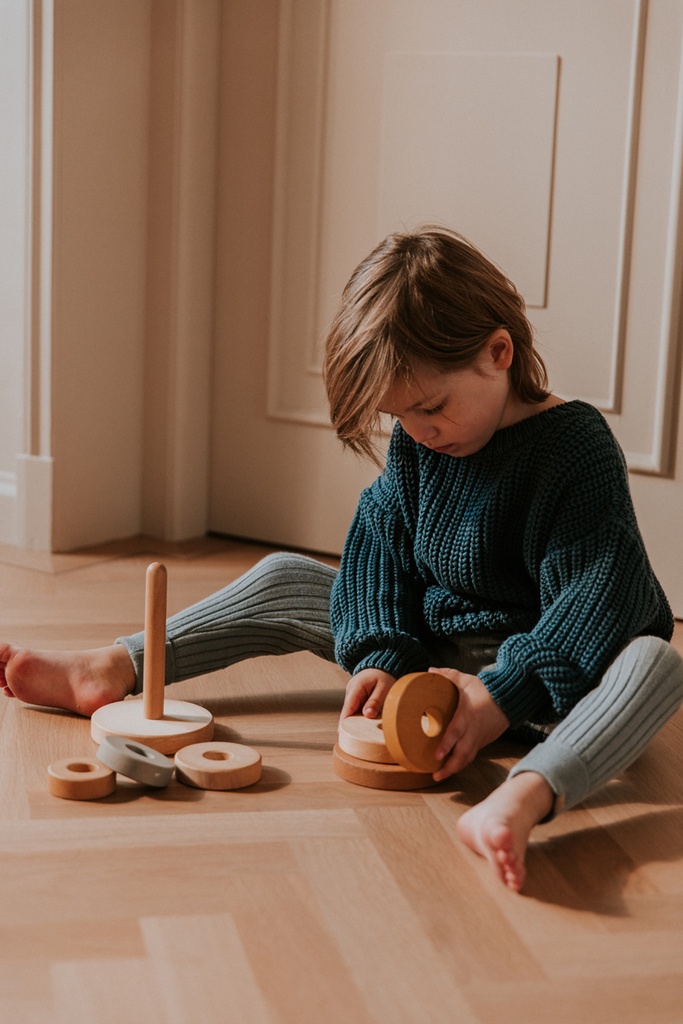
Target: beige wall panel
x=99, y=252
x=456, y=126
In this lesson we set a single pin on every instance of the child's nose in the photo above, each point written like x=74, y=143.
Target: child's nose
x=423, y=432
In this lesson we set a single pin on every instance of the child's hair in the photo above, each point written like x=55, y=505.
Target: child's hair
x=424, y=298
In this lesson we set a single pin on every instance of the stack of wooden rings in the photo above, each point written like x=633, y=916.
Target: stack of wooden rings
x=397, y=752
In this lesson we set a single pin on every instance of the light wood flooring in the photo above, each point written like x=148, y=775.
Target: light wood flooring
x=305, y=899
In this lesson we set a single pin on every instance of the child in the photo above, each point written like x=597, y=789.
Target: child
x=499, y=546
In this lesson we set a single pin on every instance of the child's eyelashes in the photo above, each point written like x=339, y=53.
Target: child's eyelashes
x=435, y=409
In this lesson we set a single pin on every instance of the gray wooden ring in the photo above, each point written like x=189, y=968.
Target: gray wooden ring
x=136, y=761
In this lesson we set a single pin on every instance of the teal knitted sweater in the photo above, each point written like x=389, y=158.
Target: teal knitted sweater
x=533, y=537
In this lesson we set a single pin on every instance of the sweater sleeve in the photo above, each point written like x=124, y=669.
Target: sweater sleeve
x=376, y=605
x=597, y=591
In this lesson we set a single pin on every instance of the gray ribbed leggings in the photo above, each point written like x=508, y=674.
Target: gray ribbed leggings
x=282, y=605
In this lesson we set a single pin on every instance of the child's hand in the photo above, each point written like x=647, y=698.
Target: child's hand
x=367, y=690
x=477, y=722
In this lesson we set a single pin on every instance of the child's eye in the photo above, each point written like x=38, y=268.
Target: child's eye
x=435, y=409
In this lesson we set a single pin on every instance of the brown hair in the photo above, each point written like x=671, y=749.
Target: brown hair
x=426, y=297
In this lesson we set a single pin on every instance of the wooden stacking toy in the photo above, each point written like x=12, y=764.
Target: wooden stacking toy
x=397, y=752
x=136, y=761
x=134, y=735
x=80, y=778
x=417, y=711
x=218, y=765
x=164, y=725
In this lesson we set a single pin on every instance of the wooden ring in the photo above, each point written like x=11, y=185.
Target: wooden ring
x=364, y=738
x=218, y=765
x=80, y=778
x=417, y=711
x=136, y=761
x=377, y=776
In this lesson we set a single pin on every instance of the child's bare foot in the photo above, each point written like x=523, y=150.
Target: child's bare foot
x=79, y=681
x=499, y=827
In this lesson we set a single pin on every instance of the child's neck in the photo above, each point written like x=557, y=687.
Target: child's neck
x=516, y=410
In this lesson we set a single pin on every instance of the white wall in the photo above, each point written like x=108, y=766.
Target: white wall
x=14, y=254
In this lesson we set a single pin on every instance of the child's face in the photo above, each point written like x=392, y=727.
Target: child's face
x=457, y=413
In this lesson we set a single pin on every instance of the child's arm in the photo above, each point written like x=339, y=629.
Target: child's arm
x=376, y=605
x=597, y=589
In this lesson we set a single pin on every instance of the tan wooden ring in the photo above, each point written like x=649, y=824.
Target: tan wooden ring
x=377, y=776
x=218, y=765
x=80, y=778
x=416, y=713
x=364, y=738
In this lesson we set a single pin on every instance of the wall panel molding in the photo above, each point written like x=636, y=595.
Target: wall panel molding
x=25, y=490
x=656, y=193
x=301, y=122
x=185, y=71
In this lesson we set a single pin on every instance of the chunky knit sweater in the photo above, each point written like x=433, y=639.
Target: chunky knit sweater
x=533, y=537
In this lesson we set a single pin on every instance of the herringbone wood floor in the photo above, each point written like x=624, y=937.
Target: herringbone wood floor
x=306, y=899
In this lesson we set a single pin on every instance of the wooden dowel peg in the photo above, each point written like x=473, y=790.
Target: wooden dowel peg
x=164, y=725
x=154, y=671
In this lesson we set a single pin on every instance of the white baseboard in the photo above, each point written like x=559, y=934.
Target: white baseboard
x=32, y=504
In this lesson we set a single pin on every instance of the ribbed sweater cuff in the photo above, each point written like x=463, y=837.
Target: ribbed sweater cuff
x=513, y=693
x=396, y=663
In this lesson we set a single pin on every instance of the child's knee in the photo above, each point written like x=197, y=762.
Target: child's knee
x=660, y=662
x=288, y=566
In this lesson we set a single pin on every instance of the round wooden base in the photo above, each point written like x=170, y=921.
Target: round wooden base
x=377, y=776
x=416, y=713
x=80, y=778
x=218, y=766
x=364, y=738
x=183, y=723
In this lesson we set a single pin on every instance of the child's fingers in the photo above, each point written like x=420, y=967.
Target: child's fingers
x=372, y=706
x=461, y=754
x=352, y=702
x=375, y=702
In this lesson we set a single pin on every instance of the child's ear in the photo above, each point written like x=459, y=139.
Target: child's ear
x=501, y=349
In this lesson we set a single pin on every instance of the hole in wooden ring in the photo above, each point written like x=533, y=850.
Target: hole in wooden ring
x=81, y=766
x=432, y=722
x=137, y=750
x=215, y=755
